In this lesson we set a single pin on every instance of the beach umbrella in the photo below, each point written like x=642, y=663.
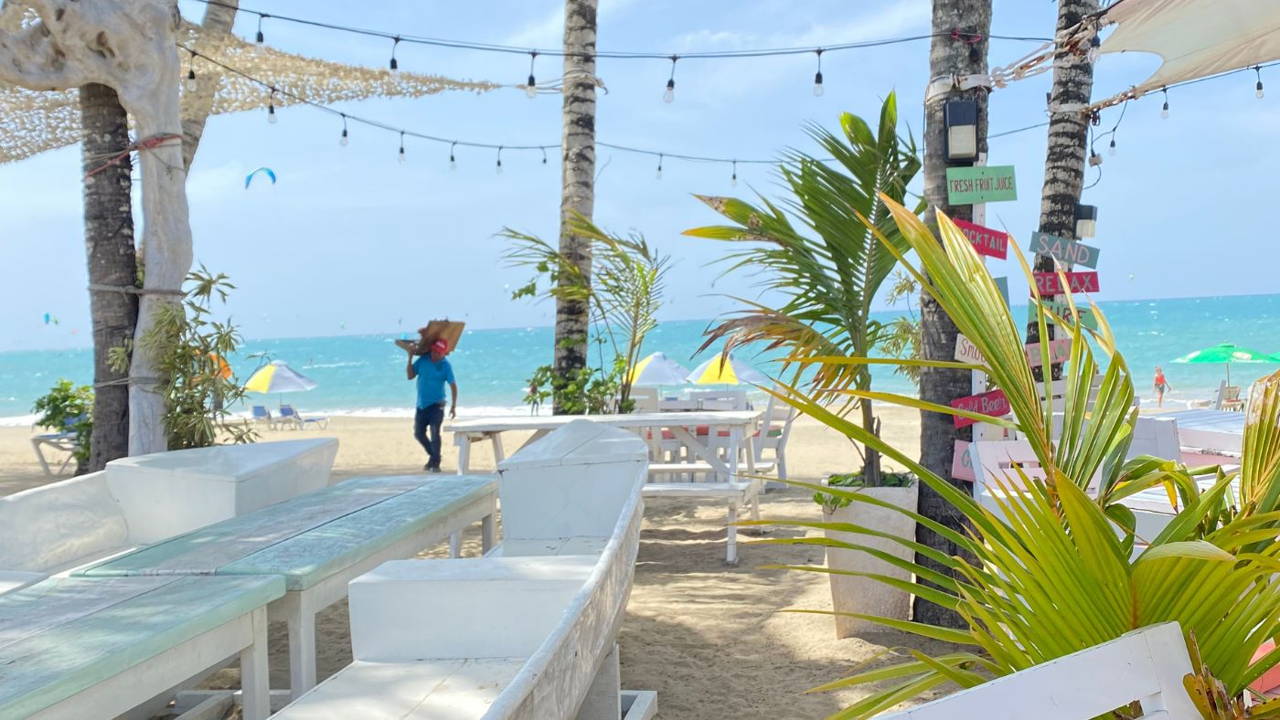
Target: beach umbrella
x=658, y=369
x=278, y=377
x=1226, y=353
x=717, y=371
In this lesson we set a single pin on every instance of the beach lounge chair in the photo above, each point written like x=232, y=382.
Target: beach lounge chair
x=289, y=415
x=65, y=440
x=1146, y=666
x=1229, y=398
x=262, y=416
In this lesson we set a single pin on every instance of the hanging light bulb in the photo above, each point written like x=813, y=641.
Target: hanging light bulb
x=1095, y=49
x=1111, y=150
x=271, y=107
x=1258, y=92
x=817, y=77
x=1164, y=109
x=259, y=37
x=190, y=84
x=733, y=180
x=670, y=94
x=395, y=64
x=531, y=87
x=659, y=174
x=400, y=158
x=342, y=140
x=453, y=162
x=498, y=168
x=544, y=155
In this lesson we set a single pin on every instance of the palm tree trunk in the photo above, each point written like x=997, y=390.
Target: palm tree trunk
x=108, y=238
x=1068, y=142
x=577, y=178
x=949, y=55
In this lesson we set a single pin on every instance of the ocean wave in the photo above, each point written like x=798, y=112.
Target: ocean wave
x=334, y=365
x=18, y=421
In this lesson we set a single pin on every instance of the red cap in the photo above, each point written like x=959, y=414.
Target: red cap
x=440, y=346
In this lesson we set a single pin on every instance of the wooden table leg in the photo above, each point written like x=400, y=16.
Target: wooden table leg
x=463, y=441
x=301, y=621
x=254, y=679
x=488, y=529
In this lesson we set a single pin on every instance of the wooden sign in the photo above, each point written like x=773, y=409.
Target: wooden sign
x=970, y=185
x=967, y=352
x=992, y=403
x=1062, y=310
x=1059, y=351
x=1003, y=283
x=1067, y=251
x=962, y=463
x=1050, y=284
x=986, y=241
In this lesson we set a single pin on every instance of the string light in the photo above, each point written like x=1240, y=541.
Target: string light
x=259, y=37
x=1095, y=49
x=271, y=107
x=531, y=88
x=342, y=140
x=400, y=159
x=498, y=168
x=817, y=77
x=670, y=94
x=733, y=180
x=395, y=64
x=1164, y=109
x=191, y=85
x=544, y=155
x=1111, y=149
x=1258, y=93
x=453, y=162
x=659, y=176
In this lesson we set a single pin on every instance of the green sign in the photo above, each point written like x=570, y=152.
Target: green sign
x=980, y=184
x=1067, y=251
x=1062, y=310
x=1003, y=284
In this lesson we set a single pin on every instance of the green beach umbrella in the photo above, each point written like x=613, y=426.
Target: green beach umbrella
x=1226, y=353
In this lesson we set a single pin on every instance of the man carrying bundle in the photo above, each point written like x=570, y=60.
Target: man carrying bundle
x=432, y=372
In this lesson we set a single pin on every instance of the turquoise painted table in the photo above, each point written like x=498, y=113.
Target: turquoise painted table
x=95, y=648
x=319, y=541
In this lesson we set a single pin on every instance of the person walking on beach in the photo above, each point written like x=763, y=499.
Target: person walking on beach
x=432, y=371
x=1162, y=385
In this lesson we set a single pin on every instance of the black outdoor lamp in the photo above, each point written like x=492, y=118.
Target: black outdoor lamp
x=961, y=120
x=1086, y=220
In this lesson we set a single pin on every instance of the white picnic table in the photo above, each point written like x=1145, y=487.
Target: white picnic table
x=682, y=425
x=320, y=541
x=1209, y=429
x=74, y=648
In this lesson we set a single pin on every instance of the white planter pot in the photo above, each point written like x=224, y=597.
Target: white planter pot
x=866, y=596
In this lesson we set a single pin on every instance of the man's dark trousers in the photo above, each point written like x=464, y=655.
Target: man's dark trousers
x=429, y=417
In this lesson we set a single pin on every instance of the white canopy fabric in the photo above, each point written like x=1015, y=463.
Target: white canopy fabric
x=1196, y=38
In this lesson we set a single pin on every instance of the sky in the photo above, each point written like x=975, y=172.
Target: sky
x=350, y=242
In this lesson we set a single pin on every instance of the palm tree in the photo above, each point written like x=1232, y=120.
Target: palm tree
x=951, y=53
x=830, y=269
x=1068, y=139
x=578, y=168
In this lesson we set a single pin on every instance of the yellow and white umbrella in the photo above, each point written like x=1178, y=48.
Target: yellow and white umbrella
x=278, y=377
x=658, y=369
x=719, y=371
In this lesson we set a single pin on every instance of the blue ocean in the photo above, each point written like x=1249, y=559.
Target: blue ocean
x=364, y=374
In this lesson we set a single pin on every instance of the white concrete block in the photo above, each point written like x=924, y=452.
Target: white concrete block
x=47, y=528
x=169, y=493
x=494, y=607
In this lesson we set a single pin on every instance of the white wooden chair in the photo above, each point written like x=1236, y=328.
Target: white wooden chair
x=1146, y=665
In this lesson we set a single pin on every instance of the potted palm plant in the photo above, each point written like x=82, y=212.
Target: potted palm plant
x=828, y=266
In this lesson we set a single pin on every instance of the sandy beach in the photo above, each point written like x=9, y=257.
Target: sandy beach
x=711, y=639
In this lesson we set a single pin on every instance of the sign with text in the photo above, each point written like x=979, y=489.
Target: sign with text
x=992, y=403
x=986, y=241
x=961, y=463
x=1003, y=283
x=1062, y=310
x=1059, y=351
x=967, y=352
x=981, y=184
x=1050, y=284
x=1067, y=251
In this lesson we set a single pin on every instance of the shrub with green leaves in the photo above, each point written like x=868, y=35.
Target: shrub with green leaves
x=68, y=407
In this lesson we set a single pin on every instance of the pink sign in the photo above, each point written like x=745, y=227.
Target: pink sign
x=1050, y=284
x=1059, y=351
x=986, y=241
x=961, y=463
x=992, y=403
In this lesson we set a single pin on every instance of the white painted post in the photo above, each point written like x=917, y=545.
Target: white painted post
x=254, y=679
x=604, y=697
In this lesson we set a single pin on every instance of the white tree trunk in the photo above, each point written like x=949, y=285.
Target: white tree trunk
x=130, y=46
x=577, y=176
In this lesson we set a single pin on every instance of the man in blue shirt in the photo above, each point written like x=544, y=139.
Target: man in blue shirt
x=432, y=372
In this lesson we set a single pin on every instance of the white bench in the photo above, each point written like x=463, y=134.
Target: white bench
x=526, y=632
x=1146, y=665
x=75, y=648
